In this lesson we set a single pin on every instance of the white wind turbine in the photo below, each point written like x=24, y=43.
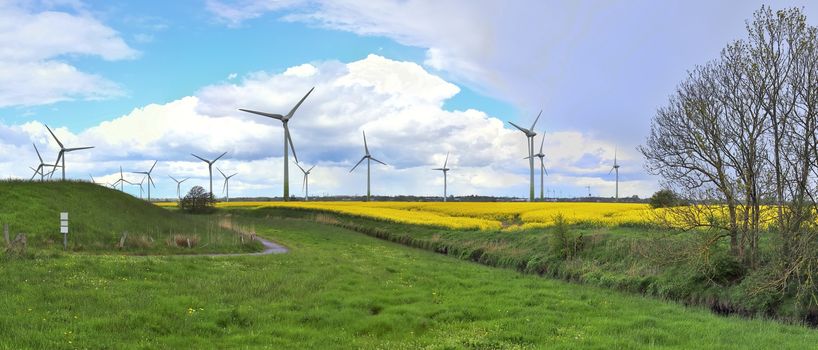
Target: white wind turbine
x=121, y=181
x=150, y=179
x=178, y=186
x=615, y=168
x=63, y=151
x=368, y=158
x=287, y=139
x=305, y=185
x=210, y=168
x=529, y=134
x=445, y=170
x=226, y=185
x=41, y=167
x=543, y=172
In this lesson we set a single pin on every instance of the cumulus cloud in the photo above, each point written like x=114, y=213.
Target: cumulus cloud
x=32, y=45
x=398, y=104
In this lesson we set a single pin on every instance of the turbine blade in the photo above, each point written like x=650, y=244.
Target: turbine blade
x=290, y=141
x=535, y=120
x=55, y=136
x=77, y=149
x=187, y=178
x=543, y=140
x=292, y=111
x=437, y=169
x=59, y=155
x=377, y=160
x=150, y=181
x=447, y=160
x=366, y=148
x=302, y=169
x=38, y=152
x=310, y=169
x=234, y=174
x=357, y=164
x=220, y=172
x=154, y=164
x=200, y=158
x=217, y=158
x=174, y=179
x=519, y=127
x=610, y=171
x=269, y=115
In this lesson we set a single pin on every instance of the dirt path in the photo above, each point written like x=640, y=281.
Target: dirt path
x=270, y=247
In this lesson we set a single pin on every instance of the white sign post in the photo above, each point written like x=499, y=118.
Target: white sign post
x=64, y=229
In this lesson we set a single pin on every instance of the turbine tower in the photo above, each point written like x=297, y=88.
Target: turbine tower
x=616, y=169
x=305, y=185
x=121, y=181
x=210, y=168
x=529, y=134
x=543, y=172
x=63, y=151
x=178, y=186
x=445, y=170
x=226, y=185
x=287, y=139
x=368, y=158
x=150, y=179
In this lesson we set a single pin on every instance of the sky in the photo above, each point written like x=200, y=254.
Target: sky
x=158, y=80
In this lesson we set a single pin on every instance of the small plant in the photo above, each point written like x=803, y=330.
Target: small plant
x=562, y=243
x=184, y=241
x=198, y=201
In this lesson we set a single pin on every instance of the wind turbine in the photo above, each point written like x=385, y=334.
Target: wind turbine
x=226, y=185
x=41, y=167
x=445, y=170
x=305, y=186
x=616, y=169
x=368, y=158
x=287, y=139
x=529, y=134
x=150, y=179
x=140, y=186
x=178, y=185
x=121, y=181
x=210, y=168
x=543, y=172
x=63, y=151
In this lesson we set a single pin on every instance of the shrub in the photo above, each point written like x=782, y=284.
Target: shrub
x=563, y=243
x=663, y=199
x=198, y=201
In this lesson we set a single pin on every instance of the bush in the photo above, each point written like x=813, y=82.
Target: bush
x=562, y=243
x=663, y=199
x=198, y=201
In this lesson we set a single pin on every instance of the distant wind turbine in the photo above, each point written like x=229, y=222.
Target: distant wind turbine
x=616, y=169
x=140, y=186
x=445, y=170
x=287, y=139
x=226, y=185
x=63, y=151
x=150, y=179
x=121, y=181
x=543, y=172
x=41, y=167
x=305, y=185
x=178, y=186
x=210, y=168
x=529, y=134
x=368, y=158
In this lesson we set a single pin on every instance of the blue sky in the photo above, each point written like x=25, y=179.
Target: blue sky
x=598, y=70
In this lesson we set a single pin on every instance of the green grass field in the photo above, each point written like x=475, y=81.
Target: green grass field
x=338, y=289
x=98, y=216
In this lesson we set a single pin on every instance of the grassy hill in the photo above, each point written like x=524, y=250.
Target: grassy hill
x=98, y=216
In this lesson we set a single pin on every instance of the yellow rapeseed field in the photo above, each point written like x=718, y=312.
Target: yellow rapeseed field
x=475, y=216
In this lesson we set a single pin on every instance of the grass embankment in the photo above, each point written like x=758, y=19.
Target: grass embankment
x=674, y=266
x=98, y=217
x=338, y=289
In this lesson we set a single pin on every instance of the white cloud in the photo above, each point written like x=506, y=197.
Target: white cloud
x=399, y=104
x=32, y=45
